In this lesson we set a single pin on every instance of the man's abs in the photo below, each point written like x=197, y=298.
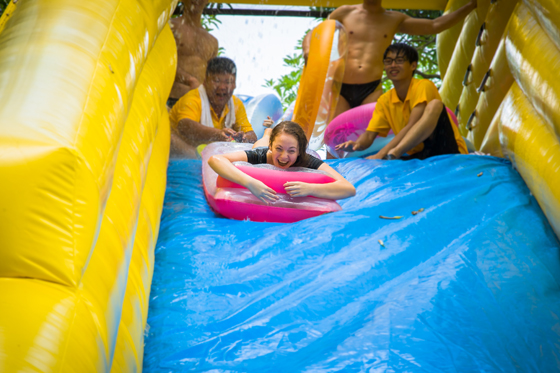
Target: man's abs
x=362, y=69
x=368, y=37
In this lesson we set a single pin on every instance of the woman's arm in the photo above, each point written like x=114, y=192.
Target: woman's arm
x=223, y=166
x=339, y=189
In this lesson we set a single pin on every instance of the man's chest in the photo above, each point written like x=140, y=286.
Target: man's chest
x=399, y=114
x=363, y=27
x=194, y=41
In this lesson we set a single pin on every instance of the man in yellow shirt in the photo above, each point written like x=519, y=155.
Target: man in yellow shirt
x=413, y=110
x=211, y=112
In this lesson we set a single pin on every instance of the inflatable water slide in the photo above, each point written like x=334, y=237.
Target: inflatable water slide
x=463, y=276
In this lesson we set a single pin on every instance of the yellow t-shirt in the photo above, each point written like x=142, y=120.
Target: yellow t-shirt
x=190, y=107
x=392, y=113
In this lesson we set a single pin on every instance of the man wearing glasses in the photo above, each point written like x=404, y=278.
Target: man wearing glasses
x=371, y=29
x=211, y=112
x=413, y=110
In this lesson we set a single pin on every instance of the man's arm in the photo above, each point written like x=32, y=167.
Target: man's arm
x=195, y=133
x=249, y=137
x=339, y=13
x=363, y=142
x=415, y=115
x=215, y=47
x=418, y=26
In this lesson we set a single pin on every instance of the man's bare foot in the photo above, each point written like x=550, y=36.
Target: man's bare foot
x=390, y=157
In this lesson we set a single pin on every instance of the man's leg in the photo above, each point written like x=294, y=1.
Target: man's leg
x=421, y=130
x=373, y=96
x=180, y=149
x=264, y=140
x=341, y=106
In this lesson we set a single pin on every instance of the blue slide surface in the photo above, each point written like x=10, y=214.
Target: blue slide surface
x=469, y=284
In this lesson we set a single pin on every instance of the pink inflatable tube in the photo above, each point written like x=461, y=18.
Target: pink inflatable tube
x=236, y=202
x=350, y=125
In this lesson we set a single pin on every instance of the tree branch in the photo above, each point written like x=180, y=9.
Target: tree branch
x=428, y=76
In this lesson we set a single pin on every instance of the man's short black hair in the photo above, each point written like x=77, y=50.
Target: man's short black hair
x=221, y=65
x=403, y=50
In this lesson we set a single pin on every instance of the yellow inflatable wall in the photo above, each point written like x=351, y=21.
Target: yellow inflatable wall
x=505, y=84
x=84, y=142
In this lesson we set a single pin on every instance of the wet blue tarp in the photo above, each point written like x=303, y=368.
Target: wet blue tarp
x=469, y=284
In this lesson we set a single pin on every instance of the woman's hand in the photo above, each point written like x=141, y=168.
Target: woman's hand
x=298, y=188
x=262, y=192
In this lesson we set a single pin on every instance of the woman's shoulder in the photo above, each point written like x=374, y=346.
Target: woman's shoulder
x=257, y=155
x=313, y=162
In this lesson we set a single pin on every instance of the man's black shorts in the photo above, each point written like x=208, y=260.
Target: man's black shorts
x=441, y=141
x=355, y=94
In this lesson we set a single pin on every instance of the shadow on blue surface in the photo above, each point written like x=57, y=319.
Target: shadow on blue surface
x=469, y=284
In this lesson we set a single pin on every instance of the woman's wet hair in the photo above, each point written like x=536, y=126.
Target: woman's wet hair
x=221, y=65
x=294, y=129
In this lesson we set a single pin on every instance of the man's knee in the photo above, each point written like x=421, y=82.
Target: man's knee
x=180, y=149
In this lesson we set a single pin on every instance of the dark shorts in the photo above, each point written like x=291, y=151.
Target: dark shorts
x=171, y=102
x=355, y=94
x=441, y=141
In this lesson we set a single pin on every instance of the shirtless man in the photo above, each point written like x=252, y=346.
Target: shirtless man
x=195, y=47
x=371, y=30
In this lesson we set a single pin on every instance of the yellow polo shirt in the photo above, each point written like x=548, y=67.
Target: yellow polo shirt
x=392, y=113
x=190, y=107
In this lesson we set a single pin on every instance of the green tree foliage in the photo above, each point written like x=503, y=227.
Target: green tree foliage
x=3, y=5
x=209, y=21
x=286, y=86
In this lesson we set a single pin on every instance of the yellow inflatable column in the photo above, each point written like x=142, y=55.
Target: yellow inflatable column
x=68, y=70
x=547, y=13
x=105, y=280
x=52, y=327
x=73, y=143
x=487, y=41
x=532, y=145
x=462, y=54
x=491, y=142
x=129, y=351
x=530, y=121
x=497, y=83
x=446, y=40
